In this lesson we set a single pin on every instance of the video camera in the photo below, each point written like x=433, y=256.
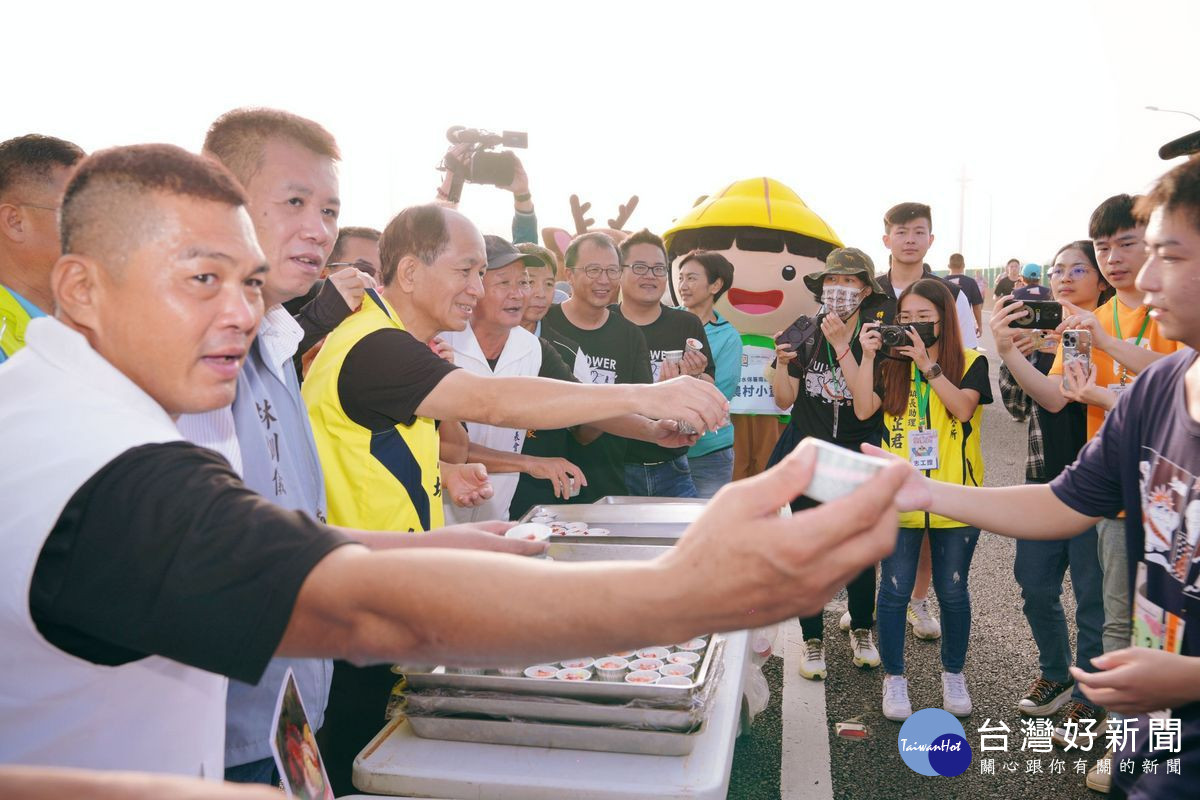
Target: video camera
x=483, y=165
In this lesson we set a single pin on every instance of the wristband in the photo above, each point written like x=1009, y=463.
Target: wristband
x=523, y=197
x=933, y=372
x=842, y=354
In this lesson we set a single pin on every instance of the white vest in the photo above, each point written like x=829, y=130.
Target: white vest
x=65, y=412
x=522, y=355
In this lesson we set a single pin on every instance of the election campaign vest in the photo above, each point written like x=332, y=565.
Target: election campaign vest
x=385, y=480
x=60, y=399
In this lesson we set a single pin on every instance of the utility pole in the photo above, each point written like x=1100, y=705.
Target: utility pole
x=962, y=204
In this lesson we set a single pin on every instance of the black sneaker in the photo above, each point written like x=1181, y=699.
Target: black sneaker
x=1045, y=697
x=1077, y=711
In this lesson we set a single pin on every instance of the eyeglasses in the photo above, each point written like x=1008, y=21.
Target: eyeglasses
x=1075, y=273
x=904, y=319
x=658, y=270
x=593, y=272
x=360, y=264
x=35, y=205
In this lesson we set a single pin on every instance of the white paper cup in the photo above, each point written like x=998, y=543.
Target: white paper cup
x=646, y=676
x=677, y=670
x=574, y=674
x=530, y=531
x=699, y=643
x=683, y=657
x=660, y=653
x=541, y=672
x=673, y=356
x=645, y=664
x=578, y=663
x=674, y=680
x=511, y=672
x=611, y=668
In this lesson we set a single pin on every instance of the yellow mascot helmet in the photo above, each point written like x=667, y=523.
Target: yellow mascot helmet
x=758, y=203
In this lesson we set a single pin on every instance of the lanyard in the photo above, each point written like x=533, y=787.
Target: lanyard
x=1122, y=372
x=835, y=372
x=922, y=398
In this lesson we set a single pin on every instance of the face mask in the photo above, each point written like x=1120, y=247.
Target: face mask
x=841, y=300
x=925, y=331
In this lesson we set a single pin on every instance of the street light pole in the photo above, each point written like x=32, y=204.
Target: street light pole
x=1173, y=111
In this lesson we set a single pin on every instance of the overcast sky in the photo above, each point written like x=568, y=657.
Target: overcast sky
x=855, y=105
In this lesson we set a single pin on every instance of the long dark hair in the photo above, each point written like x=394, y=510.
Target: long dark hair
x=896, y=373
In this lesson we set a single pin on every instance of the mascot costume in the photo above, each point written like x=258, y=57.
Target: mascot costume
x=773, y=240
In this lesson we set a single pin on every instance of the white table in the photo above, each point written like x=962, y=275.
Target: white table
x=399, y=763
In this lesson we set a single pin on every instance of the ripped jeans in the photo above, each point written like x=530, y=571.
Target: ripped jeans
x=951, y=549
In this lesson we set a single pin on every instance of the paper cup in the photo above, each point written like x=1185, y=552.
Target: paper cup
x=574, y=674
x=647, y=676
x=611, y=668
x=694, y=645
x=578, y=663
x=677, y=670
x=660, y=653
x=530, y=531
x=541, y=672
x=645, y=664
x=674, y=680
x=683, y=657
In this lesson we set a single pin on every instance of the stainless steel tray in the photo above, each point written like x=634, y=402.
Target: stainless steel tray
x=543, y=710
x=594, y=690
x=660, y=521
x=563, y=737
x=632, y=499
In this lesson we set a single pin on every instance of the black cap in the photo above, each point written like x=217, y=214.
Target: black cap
x=501, y=253
x=1183, y=146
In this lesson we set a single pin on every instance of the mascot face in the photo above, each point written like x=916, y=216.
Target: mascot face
x=772, y=239
x=768, y=291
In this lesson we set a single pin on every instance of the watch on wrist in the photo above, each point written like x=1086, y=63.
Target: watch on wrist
x=523, y=197
x=933, y=372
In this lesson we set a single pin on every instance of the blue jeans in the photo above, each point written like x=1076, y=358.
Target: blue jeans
x=261, y=771
x=669, y=479
x=711, y=471
x=951, y=549
x=1039, y=568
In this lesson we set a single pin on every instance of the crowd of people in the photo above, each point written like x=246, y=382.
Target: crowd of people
x=234, y=410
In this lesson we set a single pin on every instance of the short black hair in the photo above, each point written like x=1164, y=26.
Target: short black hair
x=352, y=232
x=904, y=213
x=418, y=231
x=644, y=236
x=1113, y=215
x=748, y=237
x=1176, y=192
x=104, y=177
x=715, y=266
x=571, y=256
x=32, y=156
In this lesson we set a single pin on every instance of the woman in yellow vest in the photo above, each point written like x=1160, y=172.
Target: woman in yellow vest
x=931, y=390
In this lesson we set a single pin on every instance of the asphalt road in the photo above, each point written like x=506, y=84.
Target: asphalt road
x=1001, y=662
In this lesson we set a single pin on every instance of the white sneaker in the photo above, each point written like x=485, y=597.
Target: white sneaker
x=863, y=645
x=924, y=624
x=896, y=706
x=1099, y=781
x=812, y=664
x=844, y=622
x=955, y=698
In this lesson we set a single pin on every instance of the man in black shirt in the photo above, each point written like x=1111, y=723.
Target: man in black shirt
x=652, y=470
x=967, y=285
x=1008, y=280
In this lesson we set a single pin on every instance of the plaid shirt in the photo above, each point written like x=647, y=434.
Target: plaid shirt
x=1021, y=407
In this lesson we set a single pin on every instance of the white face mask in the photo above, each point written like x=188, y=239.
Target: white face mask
x=841, y=300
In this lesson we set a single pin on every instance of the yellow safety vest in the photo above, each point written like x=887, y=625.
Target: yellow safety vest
x=13, y=321
x=385, y=480
x=960, y=455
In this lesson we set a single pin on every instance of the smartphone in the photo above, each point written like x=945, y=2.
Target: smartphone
x=797, y=334
x=1042, y=315
x=1076, y=347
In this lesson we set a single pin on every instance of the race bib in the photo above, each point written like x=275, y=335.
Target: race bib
x=923, y=449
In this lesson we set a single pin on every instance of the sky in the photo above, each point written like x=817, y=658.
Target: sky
x=854, y=105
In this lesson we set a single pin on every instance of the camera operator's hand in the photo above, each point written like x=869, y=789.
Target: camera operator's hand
x=455, y=160
x=1086, y=321
x=871, y=340
x=784, y=353
x=351, y=283
x=916, y=351
x=837, y=333
x=1003, y=313
x=519, y=186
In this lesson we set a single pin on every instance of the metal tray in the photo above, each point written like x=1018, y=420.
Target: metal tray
x=563, y=737
x=633, y=499
x=658, y=521
x=593, y=690
x=542, y=710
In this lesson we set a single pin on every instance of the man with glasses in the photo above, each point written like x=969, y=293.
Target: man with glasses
x=615, y=349
x=33, y=173
x=652, y=470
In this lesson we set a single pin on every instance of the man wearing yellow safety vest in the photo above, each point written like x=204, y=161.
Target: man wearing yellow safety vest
x=33, y=173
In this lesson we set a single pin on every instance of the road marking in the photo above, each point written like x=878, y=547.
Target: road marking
x=805, y=773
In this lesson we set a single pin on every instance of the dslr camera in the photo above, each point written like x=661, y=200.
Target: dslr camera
x=483, y=163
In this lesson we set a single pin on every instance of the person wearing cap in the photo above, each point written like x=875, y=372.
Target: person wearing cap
x=813, y=373
x=1033, y=288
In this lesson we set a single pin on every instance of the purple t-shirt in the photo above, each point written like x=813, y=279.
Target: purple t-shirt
x=1146, y=460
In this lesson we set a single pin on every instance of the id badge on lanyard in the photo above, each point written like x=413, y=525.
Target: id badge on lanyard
x=922, y=442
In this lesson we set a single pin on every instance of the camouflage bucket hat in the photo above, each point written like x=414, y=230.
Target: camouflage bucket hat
x=844, y=261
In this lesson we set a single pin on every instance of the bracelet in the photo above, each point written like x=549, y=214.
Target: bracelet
x=842, y=354
x=523, y=197
x=932, y=373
